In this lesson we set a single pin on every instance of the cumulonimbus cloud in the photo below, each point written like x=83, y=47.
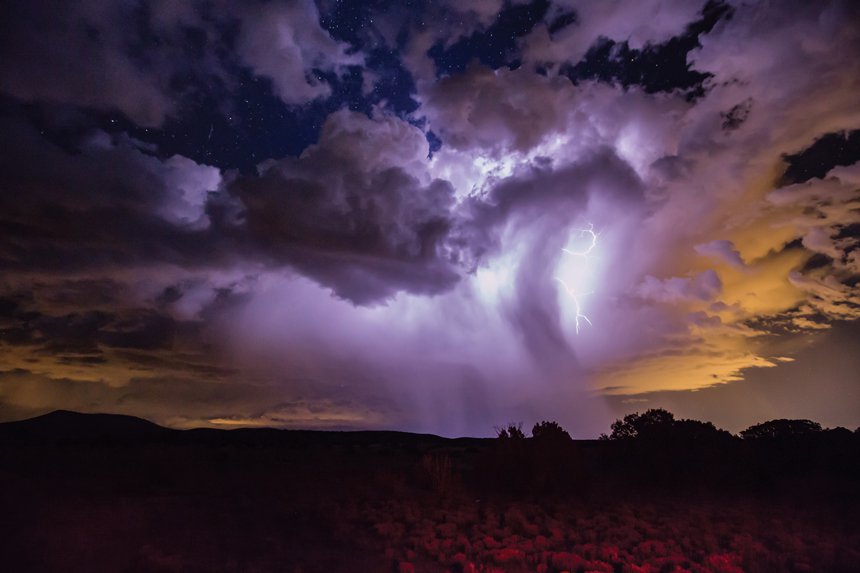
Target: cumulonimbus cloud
x=125, y=268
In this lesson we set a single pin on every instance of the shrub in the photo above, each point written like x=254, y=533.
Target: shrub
x=550, y=431
x=438, y=468
x=511, y=431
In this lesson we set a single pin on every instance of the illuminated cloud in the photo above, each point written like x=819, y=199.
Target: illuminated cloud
x=721, y=250
x=704, y=286
x=285, y=43
x=637, y=23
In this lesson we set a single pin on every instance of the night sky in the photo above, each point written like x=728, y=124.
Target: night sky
x=440, y=216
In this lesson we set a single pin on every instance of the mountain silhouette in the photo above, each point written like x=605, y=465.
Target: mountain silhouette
x=63, y=425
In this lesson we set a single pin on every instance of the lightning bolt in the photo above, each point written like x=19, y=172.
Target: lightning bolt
x=583, y=232
x=580, y=316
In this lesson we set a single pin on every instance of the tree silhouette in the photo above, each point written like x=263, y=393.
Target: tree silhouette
x=778, y=429
x=696, y=431
x=554, y=461
x=660, y=424
x=511, y=431
x=651, y=424
x=550, y=431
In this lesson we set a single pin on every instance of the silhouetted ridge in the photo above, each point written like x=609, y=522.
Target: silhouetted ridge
x=62, y=425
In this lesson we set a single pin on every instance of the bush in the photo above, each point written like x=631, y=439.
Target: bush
x=550, y=432
x=511, y=431
x=438, y=468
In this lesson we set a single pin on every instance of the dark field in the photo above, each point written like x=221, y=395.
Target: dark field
x=100, y=497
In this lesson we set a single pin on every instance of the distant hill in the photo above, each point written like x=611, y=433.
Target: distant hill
x=62, y=425
x=66, y=426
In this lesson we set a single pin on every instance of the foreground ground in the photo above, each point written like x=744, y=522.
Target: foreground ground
x=396, y=502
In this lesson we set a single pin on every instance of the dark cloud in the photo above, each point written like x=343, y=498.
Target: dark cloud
x=145, y=330
x=108, y=203
x=150, y=60
x=352, y=212
x=169, y=295
x=184, y=401
x=87, y=54
x=14, y=320
x=373, y=226
x=86, y=333
x=107, y=328
x=737, y=115
x=75, y=333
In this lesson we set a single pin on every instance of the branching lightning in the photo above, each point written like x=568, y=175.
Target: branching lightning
x=575, y=297
x=580, y=316
x=593, y=243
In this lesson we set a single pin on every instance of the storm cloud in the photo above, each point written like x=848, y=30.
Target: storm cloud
x=489, y=212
